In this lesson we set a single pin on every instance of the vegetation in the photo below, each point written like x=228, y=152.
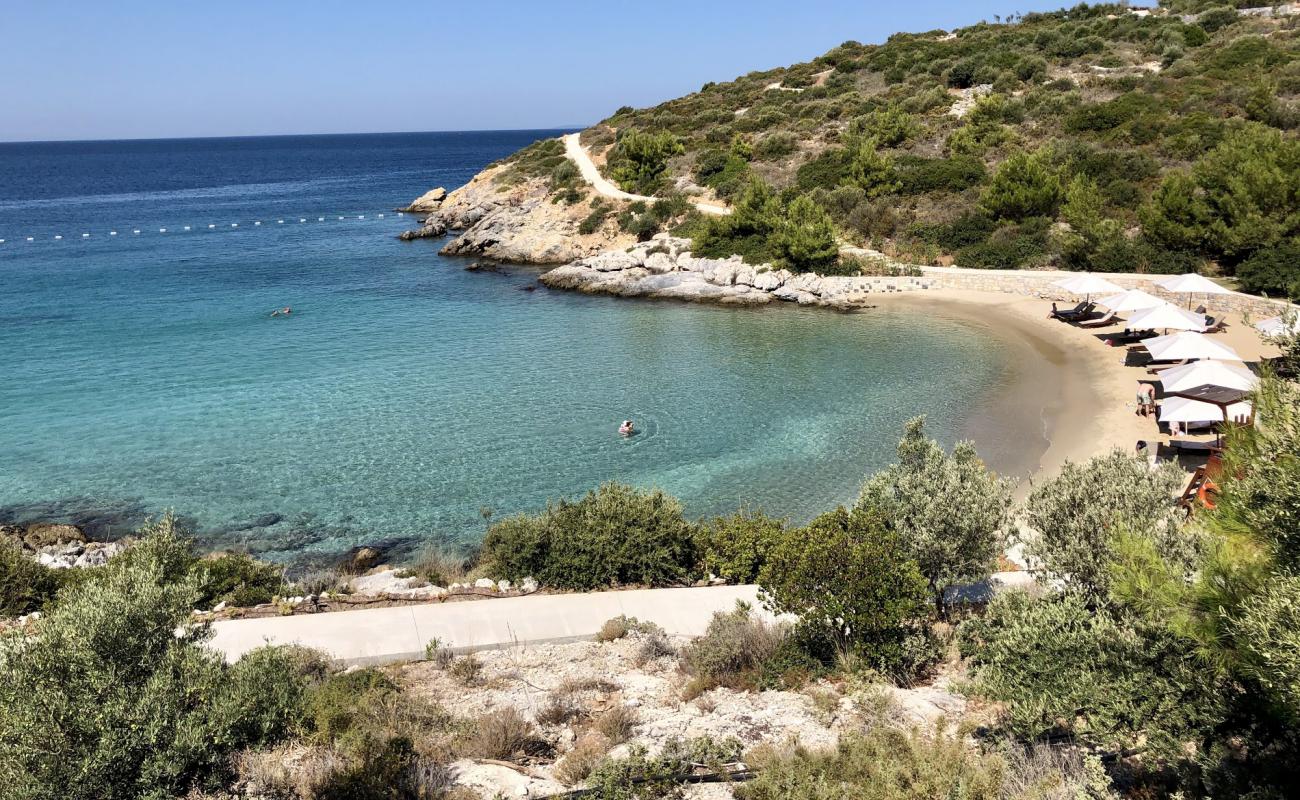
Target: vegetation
x=616, y=535
x=1093, y=138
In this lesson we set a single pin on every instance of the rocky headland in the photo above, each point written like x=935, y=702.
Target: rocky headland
x=516, y=222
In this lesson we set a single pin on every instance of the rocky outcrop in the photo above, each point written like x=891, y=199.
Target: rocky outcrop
x=664, y=268
x=516, y=222
x=428, y=202
x=59, y=545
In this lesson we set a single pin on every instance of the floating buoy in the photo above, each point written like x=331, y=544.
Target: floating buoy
x=361, y=216
x=112, y=233
x=320, y=219
x=31, y=238
x=212, y=226
x=58, y=237
x=85, y=235
x=234, y=224
x=304, y=219
x=136, y=231
x=162, y=230
x=258, y=222
x=187, y=227
x=381, y=216
x=279, y=222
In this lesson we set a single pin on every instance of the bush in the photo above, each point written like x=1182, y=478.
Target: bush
x=1275, y=271
x=828, y=170
x=237, y=579
x=922, y=175
x=501, y=734
x=620, y=626
x=25, y=586
x=1077, y=515
x=736, y=547
x=734, y=648
x=638, y=160
x=852, y=582
x=952, y=513
x=774, y=146
x=614, y=536
x=1008, y=247
x=804, y=241
x=1022, y=187
x=108, y=700
x=593, y=222
x=617, y=724
x=1064, y=668
x=642, y=777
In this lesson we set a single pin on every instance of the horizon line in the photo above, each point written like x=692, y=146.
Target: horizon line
x=286, y=135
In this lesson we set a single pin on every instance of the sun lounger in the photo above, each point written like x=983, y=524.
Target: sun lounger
x=1097, y=323
x=1213, y=325
x=1156, y=370
x=1129, y=336
x=1081, y=310
x=1188, y=446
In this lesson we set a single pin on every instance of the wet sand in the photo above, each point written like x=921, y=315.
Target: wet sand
x=1068, y=396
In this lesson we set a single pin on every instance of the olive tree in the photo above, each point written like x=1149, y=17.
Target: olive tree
x=950, y=511
x=1077, y=516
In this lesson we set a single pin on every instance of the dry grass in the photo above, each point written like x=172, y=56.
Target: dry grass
x=290, y=770
x=654, y=646
x=579, y=762
x=618, y=724
x=467, y=670
x=502, y=734
x=440, y=567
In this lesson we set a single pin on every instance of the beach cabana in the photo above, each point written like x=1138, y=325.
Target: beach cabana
x=1132, y=300
x=1190, y=347
x=1189, y=284
x=1221, y=374
x=1167, y=316
x=1087, y=284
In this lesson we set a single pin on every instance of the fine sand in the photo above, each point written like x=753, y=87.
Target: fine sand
x=1069, y=397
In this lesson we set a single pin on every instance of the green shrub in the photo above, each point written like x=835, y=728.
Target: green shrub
x=853, y=582
x=640, y=776
x=871, y=170
x=1064, y=668
x=593, y=222
x=804, y=240
x=1022, y=187
x=774, y=146
x=889, y=127
x=734, y=648
x=638, y=160
x=107, y=700
x=614, y=536
x=237, y=579
x=953, y=514
x=25, y=586
x=922, y=175
x=828, y=170
x=736, y=547
x=1275, y=271
x=1077, y=515
x=1008, y=247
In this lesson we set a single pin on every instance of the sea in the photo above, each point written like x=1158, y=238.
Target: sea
x=406, y=402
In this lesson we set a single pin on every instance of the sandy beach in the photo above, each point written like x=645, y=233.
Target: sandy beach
x=1071, y=396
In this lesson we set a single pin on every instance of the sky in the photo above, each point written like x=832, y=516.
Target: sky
x=148, y=68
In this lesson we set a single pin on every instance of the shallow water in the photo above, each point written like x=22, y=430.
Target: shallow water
x=404, y=395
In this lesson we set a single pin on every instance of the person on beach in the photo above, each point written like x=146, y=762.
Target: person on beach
x=626, y=429
x=282, y=312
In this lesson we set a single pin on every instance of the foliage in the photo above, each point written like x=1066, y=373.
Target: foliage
x=114, y=697
x=1274, y=271
x=735, y=646
x=736, y=547
x=237, y=579
x=852, y=580
x=615, y=535
x=872, y=170
x=1023, y=186
x=951, y=512
x=641, y=776
x=924, y=175
x=1077, y=515
x=25, y=586
x=1063, y=668
x=888, y=127
x=804, y=240
x=638, y=160
x=620, y=626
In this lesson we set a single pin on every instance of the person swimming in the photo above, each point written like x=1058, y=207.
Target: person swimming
x=626, y=429
x=282, y=312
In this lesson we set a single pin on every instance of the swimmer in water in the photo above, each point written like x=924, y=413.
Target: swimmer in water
x=626, y=429
x=282, y=312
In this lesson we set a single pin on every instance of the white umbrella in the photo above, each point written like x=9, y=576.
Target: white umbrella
x=1132, y=300
x=1087, y=284
x=1167, y=316
x=1190, y=346
x=1208, y=373
x=1190, y=283
x=1198, y=412
x=1278, y=326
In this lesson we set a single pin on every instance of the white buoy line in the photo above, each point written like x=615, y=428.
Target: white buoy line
x=58, y=237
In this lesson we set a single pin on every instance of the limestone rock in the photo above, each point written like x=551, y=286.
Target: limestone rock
x=485, y=583
x=43, y=534
x=429, y=201
x=432, y=228
x=496, y=780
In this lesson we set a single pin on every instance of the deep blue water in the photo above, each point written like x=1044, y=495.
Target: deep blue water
x=140, y=372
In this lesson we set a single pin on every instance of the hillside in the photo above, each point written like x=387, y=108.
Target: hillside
x=1100, y=138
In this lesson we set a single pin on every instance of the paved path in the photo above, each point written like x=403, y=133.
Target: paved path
x=591, y=174
x=379, y=635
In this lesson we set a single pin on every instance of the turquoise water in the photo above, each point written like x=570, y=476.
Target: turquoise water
x=404, y=394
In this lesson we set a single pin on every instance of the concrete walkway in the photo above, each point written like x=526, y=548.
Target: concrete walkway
x=381, y=635
x=591, y=174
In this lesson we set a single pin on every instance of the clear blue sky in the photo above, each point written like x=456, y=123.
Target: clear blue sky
x=75, y=69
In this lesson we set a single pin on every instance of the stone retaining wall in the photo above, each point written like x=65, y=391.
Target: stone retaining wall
x=1038, y=283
